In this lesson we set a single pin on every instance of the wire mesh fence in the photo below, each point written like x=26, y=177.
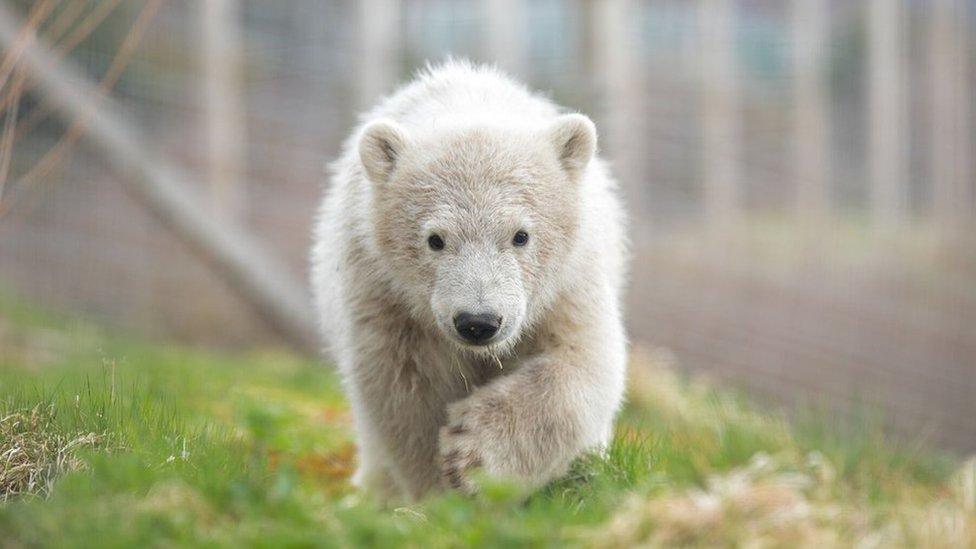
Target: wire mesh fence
x=799, y=174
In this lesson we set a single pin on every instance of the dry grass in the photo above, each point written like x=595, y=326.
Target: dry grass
x=761, y=507
x=34, y=451
x=789, y=499
x=764, y=504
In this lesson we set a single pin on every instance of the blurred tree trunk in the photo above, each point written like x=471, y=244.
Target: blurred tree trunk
x=224, y=109
x=506, y=35
x=721, y=113
x=615, y=65
x=379, y=49
x=887, y=86
x=811, y=128
x=951, y=139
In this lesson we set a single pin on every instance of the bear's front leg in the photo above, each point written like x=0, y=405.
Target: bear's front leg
x=398, y=402
x=529, y=425
x=401, y=418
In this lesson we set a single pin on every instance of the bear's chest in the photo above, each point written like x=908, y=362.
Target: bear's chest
x=457, y=374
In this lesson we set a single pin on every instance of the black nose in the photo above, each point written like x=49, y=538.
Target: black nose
x=477, y=328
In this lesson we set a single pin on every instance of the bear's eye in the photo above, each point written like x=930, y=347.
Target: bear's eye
x=520, y=238
x=435, y=242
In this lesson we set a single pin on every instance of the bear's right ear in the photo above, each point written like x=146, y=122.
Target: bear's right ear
x=574, y=138
x=381, y=144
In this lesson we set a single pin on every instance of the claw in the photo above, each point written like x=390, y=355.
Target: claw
x=455, y=481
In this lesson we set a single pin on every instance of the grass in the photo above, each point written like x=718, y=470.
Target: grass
x=109, y=441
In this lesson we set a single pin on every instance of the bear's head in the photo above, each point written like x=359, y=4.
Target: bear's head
x=475, y=223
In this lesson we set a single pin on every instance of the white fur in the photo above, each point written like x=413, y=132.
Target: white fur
x=474, y=156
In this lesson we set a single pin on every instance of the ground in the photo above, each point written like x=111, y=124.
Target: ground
x=108, y=440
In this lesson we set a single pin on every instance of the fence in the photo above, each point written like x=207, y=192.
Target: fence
x=799, y=174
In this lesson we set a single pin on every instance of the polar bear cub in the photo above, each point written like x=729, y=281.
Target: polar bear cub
x=467, y=267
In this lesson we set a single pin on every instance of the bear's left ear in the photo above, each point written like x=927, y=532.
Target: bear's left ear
x=574, y=138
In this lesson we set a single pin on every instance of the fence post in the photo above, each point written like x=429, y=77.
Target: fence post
x=721, y=115
x=224, y=110
x=379, y=40
x=811, y=127
x=506, y=32
x=950, y=143
x=888, y=114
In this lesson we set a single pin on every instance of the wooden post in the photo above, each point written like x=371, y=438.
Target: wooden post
x=224, y=110
x=811, y=127
x=888, y=114
x=506, y=35
x=950, y=144
x=253, y=274
x=721, y=115
x=379, y=40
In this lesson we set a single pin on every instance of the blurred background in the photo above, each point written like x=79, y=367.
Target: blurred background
x=799, y=174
